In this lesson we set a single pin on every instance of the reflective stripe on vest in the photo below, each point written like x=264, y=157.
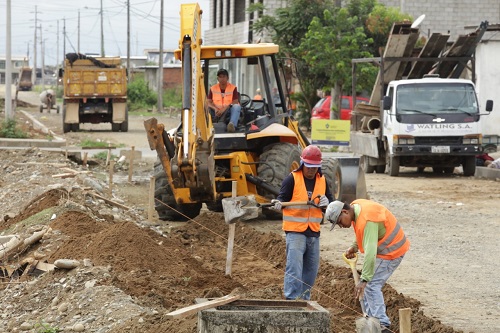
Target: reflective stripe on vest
x=222, y=99
x=298, y=218
x=394, y=243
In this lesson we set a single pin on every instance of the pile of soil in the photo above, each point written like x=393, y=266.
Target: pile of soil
x=133, y=272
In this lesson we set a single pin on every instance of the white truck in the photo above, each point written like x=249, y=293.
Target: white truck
x=427, y=122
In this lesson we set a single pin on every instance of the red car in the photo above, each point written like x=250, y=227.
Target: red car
x=322, y=109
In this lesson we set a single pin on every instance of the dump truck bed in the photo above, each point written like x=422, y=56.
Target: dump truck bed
x=85, y=79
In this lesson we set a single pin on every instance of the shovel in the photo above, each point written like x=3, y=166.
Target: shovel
x=364, y=324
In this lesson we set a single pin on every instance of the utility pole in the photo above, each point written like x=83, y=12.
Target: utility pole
x=9, y=113
x=160, y=64
x=33, y=74
x=128, y=39
x=64, y=38
x=102, y=32
x=43, y=58
x=78, y=48
x=57, y=56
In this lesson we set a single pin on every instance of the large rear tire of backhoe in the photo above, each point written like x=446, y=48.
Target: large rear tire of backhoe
x=165, y=204
x=275, y=163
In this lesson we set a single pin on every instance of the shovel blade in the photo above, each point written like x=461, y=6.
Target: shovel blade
x=242, y=207
x=368, y=325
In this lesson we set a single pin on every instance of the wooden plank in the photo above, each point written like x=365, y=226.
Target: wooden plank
x=431, y=49
x=458, y=49
x=114, y=203
x=184, y=312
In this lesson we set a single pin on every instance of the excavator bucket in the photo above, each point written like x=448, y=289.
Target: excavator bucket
x=352, y=179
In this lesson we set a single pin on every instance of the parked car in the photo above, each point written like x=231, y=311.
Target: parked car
x=322, y=109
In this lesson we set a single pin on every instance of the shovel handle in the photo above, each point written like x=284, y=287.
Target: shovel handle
x=352, y=263
x=285, y=204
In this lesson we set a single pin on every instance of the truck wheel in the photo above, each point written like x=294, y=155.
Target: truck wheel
x=75, y=127
x=365, y=163
x=380, y=168
x=58, y=108
x=275, y=163
x=66, y=127
x=115, y=127
x=167, y=208
x=469, y=165
x=393, y=165
x=124, y=125
x=40, y=108
x=331, y=169
x=449, y=170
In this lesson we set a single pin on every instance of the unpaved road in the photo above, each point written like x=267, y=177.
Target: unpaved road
x=452, y=222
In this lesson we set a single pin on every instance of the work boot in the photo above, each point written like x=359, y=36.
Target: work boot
x=230, y=128
x=385, y=329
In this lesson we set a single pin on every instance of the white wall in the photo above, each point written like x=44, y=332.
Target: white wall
x=488, y=83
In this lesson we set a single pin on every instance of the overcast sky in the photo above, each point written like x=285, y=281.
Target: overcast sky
x=144, y=30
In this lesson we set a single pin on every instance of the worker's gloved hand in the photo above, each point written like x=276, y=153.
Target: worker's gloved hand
x=323, y=201
x=276, y=204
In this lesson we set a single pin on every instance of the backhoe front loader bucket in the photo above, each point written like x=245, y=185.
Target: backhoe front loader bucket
x=353, y=183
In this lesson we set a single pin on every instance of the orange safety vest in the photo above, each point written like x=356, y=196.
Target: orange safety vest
x=394, y=243
x=298, y=218
x=221, y=99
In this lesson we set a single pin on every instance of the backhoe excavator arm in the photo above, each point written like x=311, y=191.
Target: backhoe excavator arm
x=190, y=171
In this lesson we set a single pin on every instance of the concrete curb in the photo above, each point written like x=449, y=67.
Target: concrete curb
x=41, y=127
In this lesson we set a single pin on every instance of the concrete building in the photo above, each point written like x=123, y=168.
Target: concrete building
x=230, y=23
x=17, y=63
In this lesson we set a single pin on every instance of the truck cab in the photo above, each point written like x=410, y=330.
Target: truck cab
x=431, y=122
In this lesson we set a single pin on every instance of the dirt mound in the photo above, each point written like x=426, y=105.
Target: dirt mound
x=132, y=274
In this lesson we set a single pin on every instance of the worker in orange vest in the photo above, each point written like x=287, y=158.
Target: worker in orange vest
x=302, y=223
x=223, y=101
x=380, y=237
x=258, y=95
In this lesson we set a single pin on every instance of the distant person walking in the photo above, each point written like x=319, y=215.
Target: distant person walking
x=380, y=237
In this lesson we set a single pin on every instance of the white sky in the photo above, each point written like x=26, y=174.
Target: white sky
x=144, y=30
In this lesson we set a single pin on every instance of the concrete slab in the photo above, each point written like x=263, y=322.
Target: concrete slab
x=23, y=143
x=488, y=173
x=270, y=316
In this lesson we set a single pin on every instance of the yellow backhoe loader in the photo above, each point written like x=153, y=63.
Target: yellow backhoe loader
x=199, y=160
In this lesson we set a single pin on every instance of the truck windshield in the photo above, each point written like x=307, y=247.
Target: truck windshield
x=436, y=98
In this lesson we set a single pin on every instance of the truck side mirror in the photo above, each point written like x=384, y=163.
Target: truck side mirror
x=489, y=105
x=60, y=73
x=387, y=102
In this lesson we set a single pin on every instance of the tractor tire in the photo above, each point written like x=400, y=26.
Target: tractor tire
x=393, y=165
x=330, y=167
x=167, y=208
x=469, y=165
x=275, y=163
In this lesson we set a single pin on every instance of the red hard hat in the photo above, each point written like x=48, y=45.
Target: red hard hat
x=311, y=155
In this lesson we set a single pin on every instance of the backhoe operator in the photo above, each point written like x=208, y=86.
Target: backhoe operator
x=222, y=97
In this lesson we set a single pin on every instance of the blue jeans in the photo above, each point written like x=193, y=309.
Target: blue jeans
x=373, y=297
x=302, y=263
x=234, y=114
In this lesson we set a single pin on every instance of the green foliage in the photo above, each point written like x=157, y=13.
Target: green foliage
x=42, y=327
x=139, y=95
x=172, y=97
x=9, y=129
x=103, y=155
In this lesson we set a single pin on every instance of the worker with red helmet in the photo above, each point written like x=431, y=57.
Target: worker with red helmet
x=301, y=223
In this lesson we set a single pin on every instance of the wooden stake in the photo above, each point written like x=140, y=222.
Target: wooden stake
x=230, y=237
x=130, y=169
x=405, y=320
x=151, y=201
x=84, y=163
x=111, y=169
x=108, y=156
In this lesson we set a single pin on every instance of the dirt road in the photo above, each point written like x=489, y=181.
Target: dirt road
x=452, y=222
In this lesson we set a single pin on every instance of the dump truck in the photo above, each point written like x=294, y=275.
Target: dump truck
x=95, y=91
x=427, y=116
x=198, y=161
x=24, y=82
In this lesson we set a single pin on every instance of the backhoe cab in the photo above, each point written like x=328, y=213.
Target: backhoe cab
x=199, y=160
